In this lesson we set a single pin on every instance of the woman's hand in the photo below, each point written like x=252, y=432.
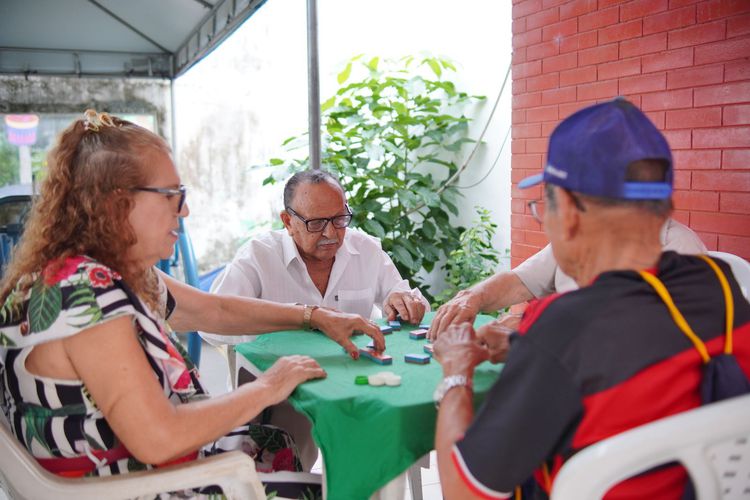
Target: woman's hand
x=339, y=327
x=287, y=373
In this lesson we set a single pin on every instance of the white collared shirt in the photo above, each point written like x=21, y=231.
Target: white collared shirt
x=542, y=276
x=270, y=267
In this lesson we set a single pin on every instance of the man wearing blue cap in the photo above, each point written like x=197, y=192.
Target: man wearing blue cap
x=592, y=363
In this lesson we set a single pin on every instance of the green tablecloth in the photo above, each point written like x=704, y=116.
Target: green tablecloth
x=368, y=435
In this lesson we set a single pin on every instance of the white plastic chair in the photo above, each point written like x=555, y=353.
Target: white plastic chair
x=740, y=269
x=712, y=442
x=21, y=477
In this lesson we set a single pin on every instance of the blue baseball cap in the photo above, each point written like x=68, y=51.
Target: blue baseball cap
x=589, y=152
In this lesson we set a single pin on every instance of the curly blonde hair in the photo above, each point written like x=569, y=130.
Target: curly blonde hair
x=84, y=204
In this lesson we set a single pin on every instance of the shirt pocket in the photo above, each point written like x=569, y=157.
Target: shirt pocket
x=356, y=301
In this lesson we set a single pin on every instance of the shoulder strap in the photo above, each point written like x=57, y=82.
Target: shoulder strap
x=679, y=319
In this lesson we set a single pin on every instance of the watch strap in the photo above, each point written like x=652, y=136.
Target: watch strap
x=307, y=316
x=449, y=383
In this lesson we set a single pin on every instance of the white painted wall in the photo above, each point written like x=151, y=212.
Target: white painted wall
x=253, y=89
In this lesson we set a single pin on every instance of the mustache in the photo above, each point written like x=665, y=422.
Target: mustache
x=326, y=241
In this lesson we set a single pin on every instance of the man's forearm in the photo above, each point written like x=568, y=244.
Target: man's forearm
x=500, y=290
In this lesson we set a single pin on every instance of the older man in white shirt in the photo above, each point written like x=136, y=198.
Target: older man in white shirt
x=315, y=260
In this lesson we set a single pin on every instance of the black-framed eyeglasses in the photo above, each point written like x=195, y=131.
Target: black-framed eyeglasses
x=319, y=225
x=169, y=193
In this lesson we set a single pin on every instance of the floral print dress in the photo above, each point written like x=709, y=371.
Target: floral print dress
x=58, y=418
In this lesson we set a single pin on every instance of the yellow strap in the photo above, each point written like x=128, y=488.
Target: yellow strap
x=728, y=301
x=518, y=493
x=677, y=316
x=679, y=319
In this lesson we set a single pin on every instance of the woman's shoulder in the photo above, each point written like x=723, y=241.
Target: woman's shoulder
x=81, y=270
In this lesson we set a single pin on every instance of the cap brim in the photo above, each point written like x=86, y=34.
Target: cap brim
x=531, y=181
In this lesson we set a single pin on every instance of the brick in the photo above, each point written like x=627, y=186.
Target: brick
x=697, y=35
x=735, y=203
x=682, y=216
x=565, y=110
x=524, y=70
x=728, y=50
x=548, y=127
x=596, y=55
x=518, y=55
x=694, y=118
x=542, y=114
x=543, y=18
x=670, y=99
x=527, y=100
x=676, y=4
x=609, y=3
x=735, y=244
x=577, y=75
x=526, y=161
x=557, y=96
x=560, y=30
x=517, y=146
x=527, y=38
x=678, y=139
x=518, y=87
x=536, y=145
x=695, y=77
x=577, y=42
x=657, y=118
x=517, y=116
x=736, y=159
x=725, y=137
x=526, y=7
x=721, y=181
x=679, y=58
x=738, y=26
x=644, y=45
x=542, y=50
x=642, y=83
x=730, y=224
x=681, y=180
x=536, y=238
x=534, y=193
x=736, y=115
x=577, y=8
x=559, y=63
x=621, y=31
x=543, y=82
x=737, y=70
x=708, y=239
x=516, y=207
x=670, y=20
x=599, y=19
x=697, y=159
x=696, y=200
x=641, y=8
x=524, y=251
x=722, y=94
x=518, y=26
x=598, y=90
x=526, y=130
x=619, y=69
x=553, y=3
x=717, y=9
x=518, y=174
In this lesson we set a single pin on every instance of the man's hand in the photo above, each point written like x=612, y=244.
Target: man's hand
x=463, y=308
x=459, y=351
x=408, y=305
x=339, y=327
x=287, y=373
x=495, y=336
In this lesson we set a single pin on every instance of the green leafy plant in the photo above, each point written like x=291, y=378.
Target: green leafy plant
x=392, y=133
x=474, y=260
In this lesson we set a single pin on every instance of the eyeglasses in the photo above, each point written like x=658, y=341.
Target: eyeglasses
x=319, y=225
x=537, y=206
x=169, y=193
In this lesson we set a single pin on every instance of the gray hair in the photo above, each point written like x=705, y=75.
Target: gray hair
x=307, y=177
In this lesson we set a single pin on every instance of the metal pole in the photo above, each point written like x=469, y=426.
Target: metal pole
x=313, y=84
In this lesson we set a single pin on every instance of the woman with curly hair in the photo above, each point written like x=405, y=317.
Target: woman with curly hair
x=92, y=383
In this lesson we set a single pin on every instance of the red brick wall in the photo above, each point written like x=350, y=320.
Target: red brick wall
x=686, y=63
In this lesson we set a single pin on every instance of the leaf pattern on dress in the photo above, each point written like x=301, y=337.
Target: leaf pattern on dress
x=36, y=417
x=44, y=306
x=83, y=296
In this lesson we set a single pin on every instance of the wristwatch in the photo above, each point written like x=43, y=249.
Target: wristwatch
x=307, y=315
x=447, y=384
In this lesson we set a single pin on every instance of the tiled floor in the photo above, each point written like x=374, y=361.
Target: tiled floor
x=214, y=375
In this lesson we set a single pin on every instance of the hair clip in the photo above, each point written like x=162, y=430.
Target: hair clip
x=94, y=121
